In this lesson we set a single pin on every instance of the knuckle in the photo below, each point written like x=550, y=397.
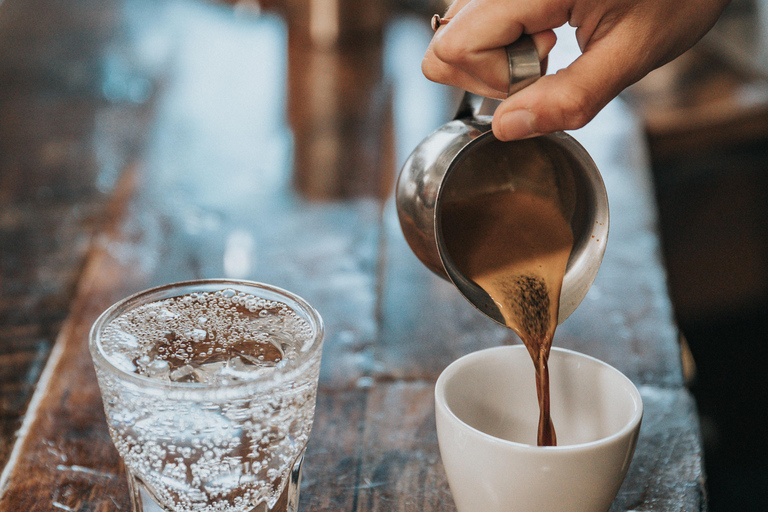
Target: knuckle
x=434, y=71
x=450, y=52
x=576, y=106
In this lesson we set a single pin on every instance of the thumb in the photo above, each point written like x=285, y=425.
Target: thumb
x=567, y=100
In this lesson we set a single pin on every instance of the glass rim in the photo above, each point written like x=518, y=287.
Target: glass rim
x=166, y=291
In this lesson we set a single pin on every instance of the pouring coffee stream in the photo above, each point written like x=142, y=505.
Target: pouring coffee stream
x=518, y=227
x=515, y=245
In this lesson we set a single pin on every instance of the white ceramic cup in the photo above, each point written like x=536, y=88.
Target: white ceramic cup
x=487, y=418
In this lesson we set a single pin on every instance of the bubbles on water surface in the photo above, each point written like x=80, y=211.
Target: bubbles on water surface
x=206, y=337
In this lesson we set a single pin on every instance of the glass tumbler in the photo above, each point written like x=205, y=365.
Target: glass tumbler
x=209, y=389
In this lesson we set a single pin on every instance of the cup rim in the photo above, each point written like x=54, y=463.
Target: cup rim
x=165, y=291
x=452, y=369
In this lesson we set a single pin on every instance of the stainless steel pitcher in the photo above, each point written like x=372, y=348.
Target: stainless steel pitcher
x=462, y=159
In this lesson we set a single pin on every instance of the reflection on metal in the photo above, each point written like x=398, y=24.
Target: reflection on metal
x=438, y=22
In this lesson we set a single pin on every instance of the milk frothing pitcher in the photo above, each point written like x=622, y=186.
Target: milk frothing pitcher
x=463, y=159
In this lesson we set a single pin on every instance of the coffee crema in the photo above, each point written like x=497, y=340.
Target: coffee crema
x=515, y=245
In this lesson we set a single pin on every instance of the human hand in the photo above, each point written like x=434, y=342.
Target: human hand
x=621, y=41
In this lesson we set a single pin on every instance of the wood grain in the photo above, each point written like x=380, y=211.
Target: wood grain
x=183, y=139
x=63, y=145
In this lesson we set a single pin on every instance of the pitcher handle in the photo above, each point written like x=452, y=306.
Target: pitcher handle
x=524, y=69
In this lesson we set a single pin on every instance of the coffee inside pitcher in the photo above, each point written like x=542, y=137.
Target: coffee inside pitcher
x=505, y=220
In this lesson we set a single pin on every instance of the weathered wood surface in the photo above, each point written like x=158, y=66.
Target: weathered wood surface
x=146, y=142
x=62, y=143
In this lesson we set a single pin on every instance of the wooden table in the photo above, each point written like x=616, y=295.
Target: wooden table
x=144, y=142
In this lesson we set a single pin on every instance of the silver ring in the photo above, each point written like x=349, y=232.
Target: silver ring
x=524, y=64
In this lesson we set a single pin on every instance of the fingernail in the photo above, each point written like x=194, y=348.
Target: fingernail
x=518, y=124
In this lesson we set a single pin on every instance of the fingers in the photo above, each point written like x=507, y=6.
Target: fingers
x=566, y=100
x=488, y=75
x=621, y=41
x=479, y=25
x=469, y=51
x=439, y=71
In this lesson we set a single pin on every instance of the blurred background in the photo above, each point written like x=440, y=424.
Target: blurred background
x=327, y=80
x=705, y=117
